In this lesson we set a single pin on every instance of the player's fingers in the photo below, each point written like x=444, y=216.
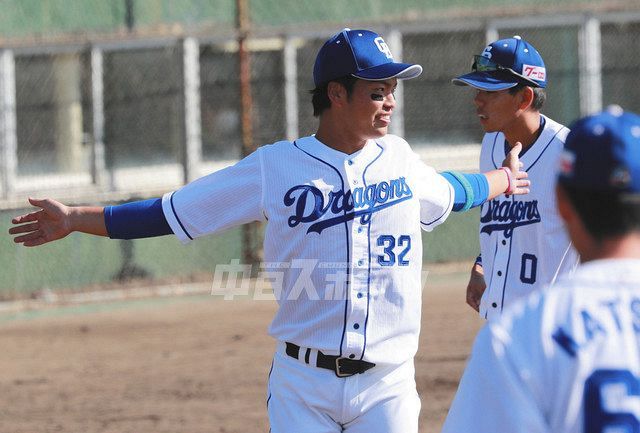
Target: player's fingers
x=26, y=228
x=515, y=150
x=520, y=191
x=473, y=303
x=523, y=183
x=32, y=216
x=35, y=242
x=521, y=175
x=49, y=206
x=29, y=237
x=39, y=202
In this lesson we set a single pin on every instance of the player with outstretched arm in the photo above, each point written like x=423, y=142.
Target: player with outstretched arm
x=350, y=195
x=566, y=359
x=522, y=241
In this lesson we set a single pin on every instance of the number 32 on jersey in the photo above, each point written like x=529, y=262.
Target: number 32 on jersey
x=394, y=250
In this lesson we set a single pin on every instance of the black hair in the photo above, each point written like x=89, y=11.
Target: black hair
x=320, y=97
x=539, y=95
x=604, y=214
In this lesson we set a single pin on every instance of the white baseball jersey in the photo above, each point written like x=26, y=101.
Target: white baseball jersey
x=346, y=229
x=564, y=360
x=522, y=239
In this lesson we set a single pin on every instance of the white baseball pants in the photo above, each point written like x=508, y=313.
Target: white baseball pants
x=307, y=399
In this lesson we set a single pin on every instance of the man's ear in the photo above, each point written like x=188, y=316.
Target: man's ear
x=527, y=97
x=337, y=93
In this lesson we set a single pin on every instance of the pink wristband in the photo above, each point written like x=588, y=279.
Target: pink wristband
x=511, y=187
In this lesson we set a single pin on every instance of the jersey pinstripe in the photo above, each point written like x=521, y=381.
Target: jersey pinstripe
x=522, y=240
x=331, y=218
x=564, y=360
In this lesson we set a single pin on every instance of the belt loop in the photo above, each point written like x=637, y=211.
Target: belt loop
x=313, y=359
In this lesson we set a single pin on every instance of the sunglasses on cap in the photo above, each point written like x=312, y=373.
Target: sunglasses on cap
x=484, y=64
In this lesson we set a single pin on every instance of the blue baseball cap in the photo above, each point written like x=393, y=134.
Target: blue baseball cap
x=602, y=153
x=362, y=54
x=505, y=64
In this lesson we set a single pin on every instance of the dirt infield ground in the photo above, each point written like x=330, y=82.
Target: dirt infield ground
x=185, y=364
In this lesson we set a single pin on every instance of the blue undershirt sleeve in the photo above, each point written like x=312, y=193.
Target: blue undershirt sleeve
x=471, y=190
x=135, y=220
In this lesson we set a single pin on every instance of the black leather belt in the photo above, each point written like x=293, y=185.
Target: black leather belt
x=342, y=367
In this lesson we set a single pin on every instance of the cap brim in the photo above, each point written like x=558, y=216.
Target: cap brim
x=401, y=71
x=486, y=81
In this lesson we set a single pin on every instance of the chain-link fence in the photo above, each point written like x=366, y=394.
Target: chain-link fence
x=90, y=116
x=123, y=118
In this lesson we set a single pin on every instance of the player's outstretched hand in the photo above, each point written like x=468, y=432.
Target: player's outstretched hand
x=48, y=224
x=512, y=162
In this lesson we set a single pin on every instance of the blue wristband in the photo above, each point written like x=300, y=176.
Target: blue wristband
x=468, y=195
x=471, y=190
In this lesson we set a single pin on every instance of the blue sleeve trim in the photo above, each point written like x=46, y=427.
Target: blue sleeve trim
x=471, y=190
x=479, y=260
x=135, y=220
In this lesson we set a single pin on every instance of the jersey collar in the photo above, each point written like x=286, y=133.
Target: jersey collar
x=534, y=152
x=314, y=147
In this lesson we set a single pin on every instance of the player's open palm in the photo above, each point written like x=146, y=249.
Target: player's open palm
x=48, y=224
x=513, y=163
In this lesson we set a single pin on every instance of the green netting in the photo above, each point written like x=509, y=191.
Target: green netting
x=84, y=260
x=20, y=18
x=81, y=260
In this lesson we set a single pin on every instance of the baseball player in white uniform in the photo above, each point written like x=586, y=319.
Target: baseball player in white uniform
x=343, y=211
x=567, y=358
x=522, y=241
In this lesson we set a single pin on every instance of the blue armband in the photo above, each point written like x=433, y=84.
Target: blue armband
x=471, y=190
x=135, y=220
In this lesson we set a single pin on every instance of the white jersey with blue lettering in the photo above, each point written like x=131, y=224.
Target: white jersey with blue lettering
x=523, y=243
x=330, y=218
x=564, y=360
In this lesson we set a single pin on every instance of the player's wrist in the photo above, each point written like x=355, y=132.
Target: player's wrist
x=73, y=220
x=85, y=219
x=511, y=181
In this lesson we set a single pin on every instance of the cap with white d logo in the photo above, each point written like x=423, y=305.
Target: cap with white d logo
x=362, y=54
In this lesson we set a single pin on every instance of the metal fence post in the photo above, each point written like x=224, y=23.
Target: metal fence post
x=8, y=138
x=291, y=87
x=491, y=33
x=397, y=126
x=99, y=174
x=590, y=58
x=192, y=117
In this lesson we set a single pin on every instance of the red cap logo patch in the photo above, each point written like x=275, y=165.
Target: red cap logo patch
x=537, y=73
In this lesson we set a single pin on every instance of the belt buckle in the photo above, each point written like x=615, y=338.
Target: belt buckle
x=338, y=367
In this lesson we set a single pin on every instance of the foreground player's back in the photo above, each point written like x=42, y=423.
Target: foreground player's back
x=567, y=360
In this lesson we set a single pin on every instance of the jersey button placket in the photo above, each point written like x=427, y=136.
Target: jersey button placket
x=357, y=309
x=499, y=272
